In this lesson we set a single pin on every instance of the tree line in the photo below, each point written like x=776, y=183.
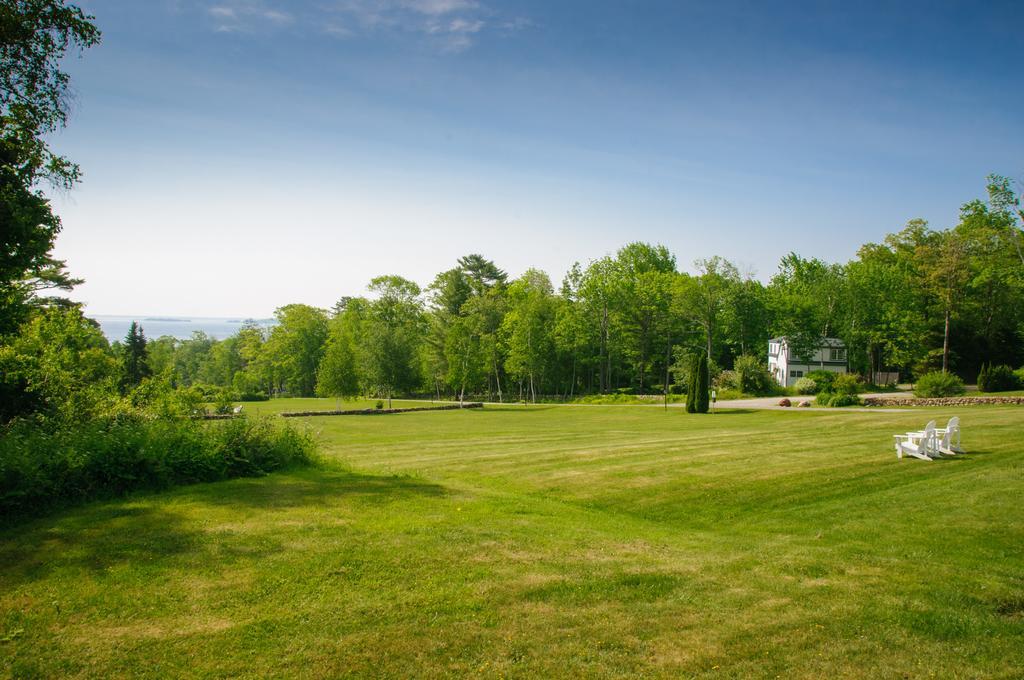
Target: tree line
x=921, y=300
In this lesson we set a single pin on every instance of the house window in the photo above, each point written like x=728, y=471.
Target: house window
x=837, y=355
x=796, y=374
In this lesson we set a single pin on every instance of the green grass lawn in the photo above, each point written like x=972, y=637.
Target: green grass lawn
x=582, y=541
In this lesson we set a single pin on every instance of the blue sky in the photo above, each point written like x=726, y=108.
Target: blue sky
x=243, y=154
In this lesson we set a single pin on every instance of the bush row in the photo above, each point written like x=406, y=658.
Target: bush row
x=42, y=469
x=1000, y=378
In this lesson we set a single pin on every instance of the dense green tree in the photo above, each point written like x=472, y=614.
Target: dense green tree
x=946, y=275
x=34, y=37
x=135, y=358
x=392, y=333
x=296, y=346
x=745, y=318
x=338, y=373
x=805, y=299
x=572, y=342
x=643, y=299
x=161, y=356
x=528, y=329
x=1006, y=204
x=58, y=366
x=598, y=299
x=481, y=273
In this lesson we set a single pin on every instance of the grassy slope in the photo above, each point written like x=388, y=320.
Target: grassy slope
x=594, y=541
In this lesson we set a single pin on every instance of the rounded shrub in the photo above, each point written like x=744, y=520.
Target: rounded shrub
x=727, y=380
x=938, y=384
x=824, y=379
x=844, y=400
x=997, y=379
x=806, y=386
x=846, y=383
x=752, y=375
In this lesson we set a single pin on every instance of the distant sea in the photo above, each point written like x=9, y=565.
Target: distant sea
x=181, y=327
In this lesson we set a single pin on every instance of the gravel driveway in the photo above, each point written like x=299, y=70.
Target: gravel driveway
x=773, y=402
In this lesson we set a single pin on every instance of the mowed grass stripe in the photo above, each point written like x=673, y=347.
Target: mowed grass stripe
x=597, y=542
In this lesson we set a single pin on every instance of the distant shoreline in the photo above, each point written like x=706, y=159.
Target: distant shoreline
x=115, y=327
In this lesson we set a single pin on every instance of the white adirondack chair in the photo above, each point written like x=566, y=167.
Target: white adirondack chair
x=949, y=437
x=921, y=445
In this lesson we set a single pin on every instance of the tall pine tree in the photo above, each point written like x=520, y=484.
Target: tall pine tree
x=136, y=358
x=691, y=385
x=701, y=398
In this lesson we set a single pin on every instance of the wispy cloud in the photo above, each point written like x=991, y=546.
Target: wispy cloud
x=246, y=16
x=438, y=7
x=448, y=25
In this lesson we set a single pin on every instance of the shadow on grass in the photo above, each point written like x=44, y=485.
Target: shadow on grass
x=316, y=486
x=147, y=531
x=95, y=538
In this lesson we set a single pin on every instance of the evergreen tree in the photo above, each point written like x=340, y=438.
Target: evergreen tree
x=691, y=386
x=701, y=398
x=136, y=359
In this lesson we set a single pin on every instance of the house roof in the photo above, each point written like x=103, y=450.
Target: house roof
x=825, y=342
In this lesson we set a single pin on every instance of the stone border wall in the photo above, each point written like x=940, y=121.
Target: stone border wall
x=942, y=401
x=380, y=411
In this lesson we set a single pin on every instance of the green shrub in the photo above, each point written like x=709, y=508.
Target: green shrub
x=997, y=379
x=938, y=384
x=844, y=400
x=834, y=399
x=753, y=376
x=847, y=383
x=823, y=379
x=41, y=468
x=806, y=386
x=209, y=392
x=224, y=402
x=727, y=380
x=1019, y=375
x=379, y=405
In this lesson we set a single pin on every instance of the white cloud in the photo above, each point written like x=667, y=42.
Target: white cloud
x=448, y=25
x=465, y=26
x=338, y=30
x=275, y=15
x=246, y=16
x=438, y=7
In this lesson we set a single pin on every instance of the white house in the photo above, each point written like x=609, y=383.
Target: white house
x=787, y=369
